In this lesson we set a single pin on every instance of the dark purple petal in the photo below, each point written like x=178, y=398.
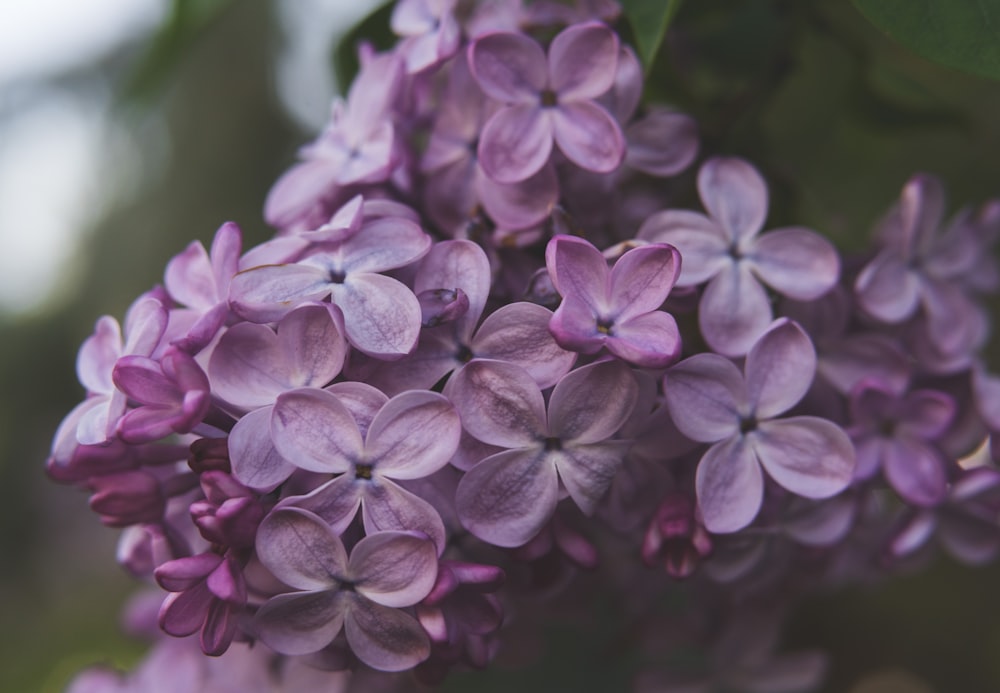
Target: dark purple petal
x=642, y=278
x=807, y=455
x=394, y=568
x=183, y=613
x=384, y=638
x=185, y=573
x=707, y=397
x=927, y=414
x=730, y=485
x=507, y=498
x=591, y=403
x=735, y=195
x=578, y=269
x=577, y=327
x=916, y=471
x=515, y=143
x=301, y=622
x=661, y=143
x=796, y=262
x=583, y=61
x=779, y=369
x=301, y=550
x=588, y=135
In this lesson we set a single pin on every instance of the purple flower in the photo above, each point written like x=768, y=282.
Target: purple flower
x=412, y=436
x=381, y=315
x=895, y=433
x=712, y=402
x=508, y=497
x=430, y=30
x=617, y=308
x=724, y=250
x=548, y=98
x=363, y=594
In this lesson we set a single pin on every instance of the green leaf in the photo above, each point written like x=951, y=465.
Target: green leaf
x=649, y=20
x=964, y=34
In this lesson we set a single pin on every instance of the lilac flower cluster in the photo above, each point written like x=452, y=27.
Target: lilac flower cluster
x=463, y=369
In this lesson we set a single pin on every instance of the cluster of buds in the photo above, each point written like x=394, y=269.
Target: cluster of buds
x=482, y=354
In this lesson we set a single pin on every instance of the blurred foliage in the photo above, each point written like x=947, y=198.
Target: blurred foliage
x=963, y=34
x=649, y=20
x=836, y=115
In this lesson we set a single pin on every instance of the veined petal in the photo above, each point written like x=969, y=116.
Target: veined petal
x=413, y=435
x=457, y=264
x=591, y=403
x=268, y=292
x=301, y=550
x=587, y=470
x=796, y=262
x=394, y=568
x=519, y=205
x=384, y=244
x=588, y=135
x=361, y=399
x=295, y=196
x=650, y=340
x=579, y=269
x=779, y=369
x=381, y=315
x=734, y=311
x=701, y=242
x=519, y=333
x=642, y=279
x=515, y=143
x=730, y=485
x=735, y=195
x=384, y=638
x=807, y=455
x=510, y=67
x=336, y=502
x=301, y=622
x=583, y=61
x=255, y=462
x=312, y=429
x=575, y=326
x=499, y=402
x=707, y=397
x=389, y=507
x=507, y=498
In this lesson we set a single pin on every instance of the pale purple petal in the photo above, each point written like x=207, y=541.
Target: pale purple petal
x=779, y=369
x=921, y=210
x=384, y=244
x=730, y=486
x=312, y=429
x=507, y=498
x=734, y=311
x=702, y=243
x=795, y=262
x=591, y=403
x=361, y=399
x=626, y=93
x=436, y=355
x=381, y=315
x=807, y=455
x=888, y=288
x=735, y=195
x=707, y=397
x=394, y=568
x=916, y=471
x=662, y=143
x=509, y=67
x=642, y=278
x=588, y=135
x=97, y=356
x=583, y=61
x=301, y=550
x=651, y=340
x=189, y=278
x=519, y=205
x=576, y=326
x=267, y=293
x=515, y=143
x=386, y=506
x=301, y=622
x=457, y=264
x=413, y=435
x=519, y=333
x=857, y=357
x=384, y=638
x=255, y=462
x=336, y=502
x=587, y=470
x=499, y=402
x=296, y=195
x=579, y=269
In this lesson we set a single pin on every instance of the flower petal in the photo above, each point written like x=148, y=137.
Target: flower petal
x=888, y=289
x=509, y=67
x=642, y=278
x=779, y=369
x=255, y=462
x=384, y=638
x=707, y=397
x=735, y=195
x=587, y=470
x=457, y=264
x=336, y=502
x=381, y=315
x=301, y=622
x=734, y=311
x=413, y=435
x=588, y=135
x=312, y=429
x=650, y=340
x=795, y=262
x=583, y=61
x=515, y=143
x=268, y=292
x=394, y=568
x=386, y=506
x=916, y=471
x=301, y=550
x=730, y=485
x=807, y=455
x=507, y=498
x=519, y=333
x=499, y=403
x=662, y=143
x=384, y=244
x=591, y=403
x=701, y=242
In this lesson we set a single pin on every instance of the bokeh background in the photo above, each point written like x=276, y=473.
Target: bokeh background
x=129, y=128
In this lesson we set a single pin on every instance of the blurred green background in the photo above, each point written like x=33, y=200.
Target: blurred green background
x=203, y=106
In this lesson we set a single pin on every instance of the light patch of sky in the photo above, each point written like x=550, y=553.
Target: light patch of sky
x=52, y=141
x=306, y=83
